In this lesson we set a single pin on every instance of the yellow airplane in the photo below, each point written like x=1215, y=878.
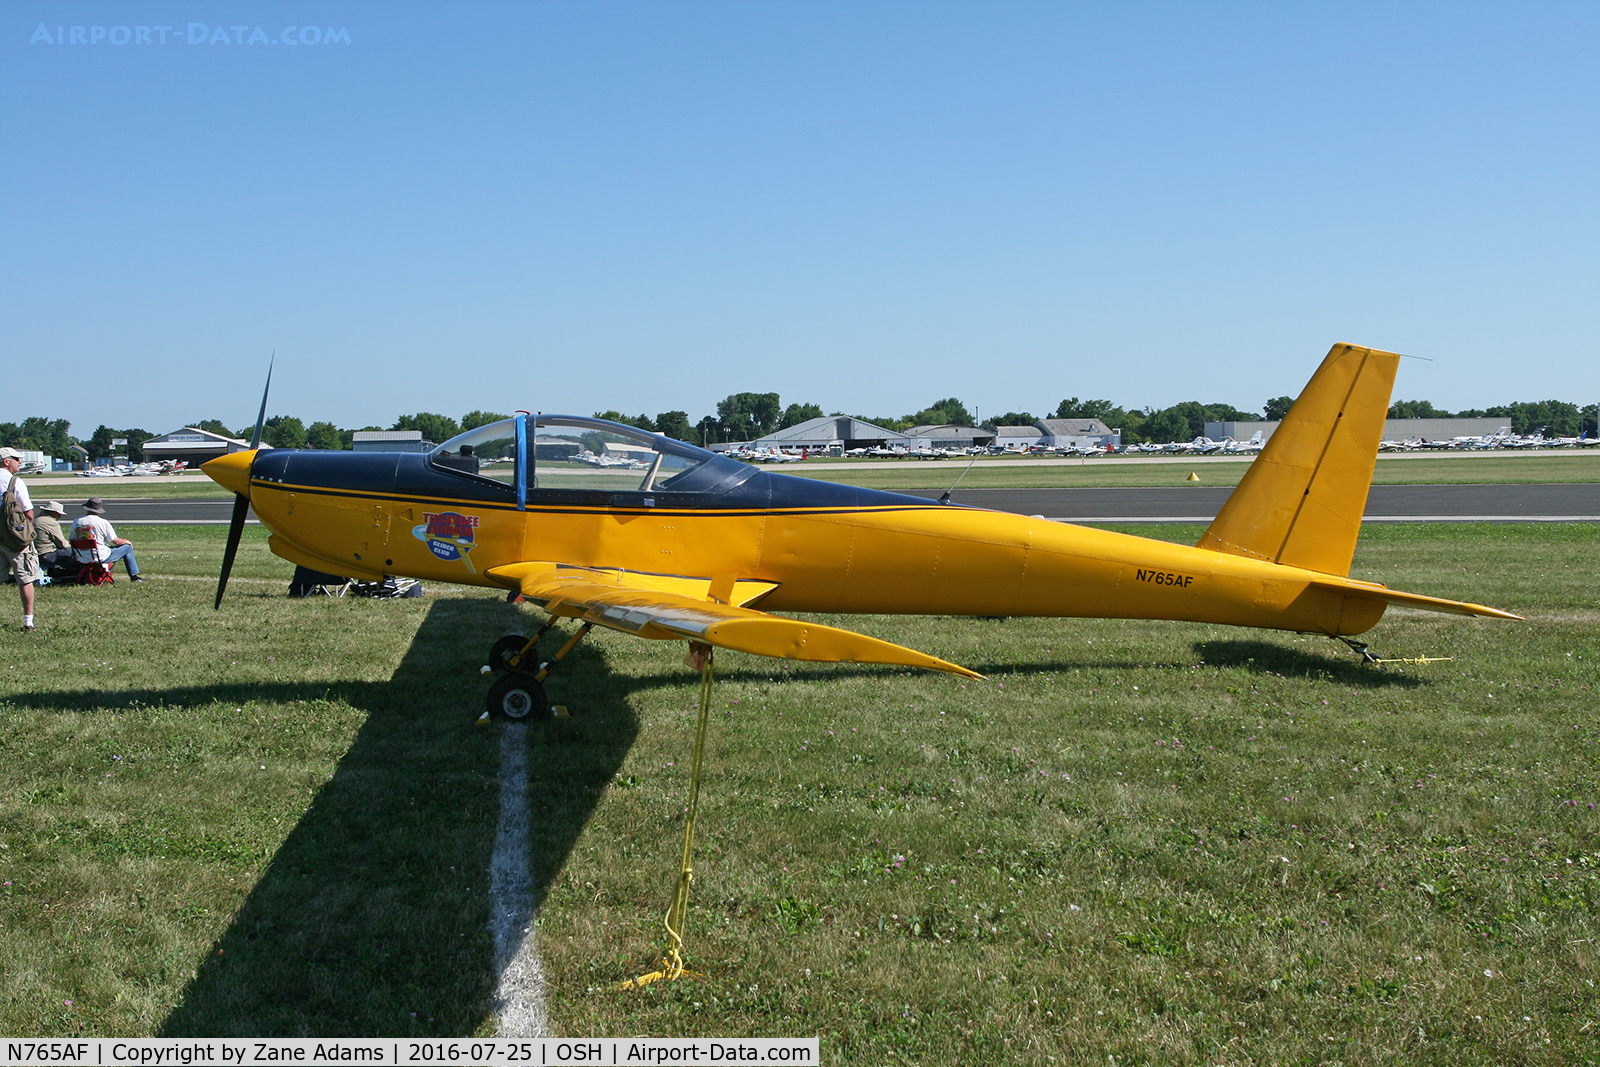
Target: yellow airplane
x=617, y=527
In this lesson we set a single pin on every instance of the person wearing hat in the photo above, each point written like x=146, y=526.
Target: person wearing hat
x=110, y=547
x=52, y=545
x=25, y=562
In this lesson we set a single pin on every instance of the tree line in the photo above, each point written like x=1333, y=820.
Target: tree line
x=747, y=416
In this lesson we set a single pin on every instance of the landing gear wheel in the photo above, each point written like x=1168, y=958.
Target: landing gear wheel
x=501, y=651
x=517, y=697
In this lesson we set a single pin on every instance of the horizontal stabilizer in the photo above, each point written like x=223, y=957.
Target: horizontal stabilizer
x=1362, y=591
x=656, y=613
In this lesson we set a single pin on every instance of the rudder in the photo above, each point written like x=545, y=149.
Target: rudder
x=1301, y=501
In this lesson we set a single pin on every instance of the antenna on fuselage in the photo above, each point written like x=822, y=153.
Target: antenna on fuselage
x=946, y=498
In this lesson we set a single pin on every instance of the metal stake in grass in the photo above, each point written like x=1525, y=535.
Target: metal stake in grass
x=672, y=967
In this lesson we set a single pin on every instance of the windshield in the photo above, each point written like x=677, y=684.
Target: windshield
x=571, y=452
x=489, y=451
x=577, y=453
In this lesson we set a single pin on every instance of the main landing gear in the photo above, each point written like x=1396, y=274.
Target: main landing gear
x=518, y=694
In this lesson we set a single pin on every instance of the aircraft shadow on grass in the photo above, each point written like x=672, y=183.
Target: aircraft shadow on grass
x=1264, y=657
x=372, y=916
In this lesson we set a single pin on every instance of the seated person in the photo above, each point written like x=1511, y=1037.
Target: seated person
x=111, y=547
x=52, y=545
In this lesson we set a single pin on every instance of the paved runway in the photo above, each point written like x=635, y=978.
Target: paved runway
x=1386, y=503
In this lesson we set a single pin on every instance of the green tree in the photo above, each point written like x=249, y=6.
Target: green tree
x=1013, y=418
x=795, y=414
x=1167, y=424
x=708, y=431
x=749, y=415
x=435, y=428
x=47, y=435
x=1415, y=409
x=1104, y=410
x=99, y=443
x=136, y=439
x=473, y=419
x=324, y=435
x=1556, y=416
x=949, y=410
x=1133, y=422
x=889, y=422
x=675, y=424
x=643, y=422
x=215, y=426
x=1278, y=407
x=284, y=431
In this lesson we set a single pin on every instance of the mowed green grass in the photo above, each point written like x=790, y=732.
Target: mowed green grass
x=1158, y=842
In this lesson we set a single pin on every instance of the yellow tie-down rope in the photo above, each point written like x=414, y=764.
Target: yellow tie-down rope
x=672, y=967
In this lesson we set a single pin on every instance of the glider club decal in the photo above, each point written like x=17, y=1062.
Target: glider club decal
x=448, y=535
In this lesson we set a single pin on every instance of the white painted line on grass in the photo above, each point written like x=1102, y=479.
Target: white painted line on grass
x=519, y=993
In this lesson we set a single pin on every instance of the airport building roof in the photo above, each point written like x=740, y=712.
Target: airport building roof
x=1074, y=427
x=845, y=430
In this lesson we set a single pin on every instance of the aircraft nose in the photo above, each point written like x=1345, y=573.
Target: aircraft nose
x=232, y=471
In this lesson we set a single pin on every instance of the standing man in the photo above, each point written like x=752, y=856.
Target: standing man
x=111, y=547
x=25, y=561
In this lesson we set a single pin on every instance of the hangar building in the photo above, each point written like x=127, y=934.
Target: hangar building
x=192, y=446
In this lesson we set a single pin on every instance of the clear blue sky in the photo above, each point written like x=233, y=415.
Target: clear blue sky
x=646, y=206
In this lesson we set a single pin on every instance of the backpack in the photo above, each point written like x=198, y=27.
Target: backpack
x=16, y=529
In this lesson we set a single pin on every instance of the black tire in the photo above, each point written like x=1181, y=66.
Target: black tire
x=501, y=651
x=517, y=697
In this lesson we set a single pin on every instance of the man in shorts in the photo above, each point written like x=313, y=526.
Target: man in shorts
x=24, y=563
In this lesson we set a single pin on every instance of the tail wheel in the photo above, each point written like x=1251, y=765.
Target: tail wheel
x=502, y=651
x=517, y=697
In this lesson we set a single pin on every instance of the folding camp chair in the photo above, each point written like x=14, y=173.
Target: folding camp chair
x=91, y=570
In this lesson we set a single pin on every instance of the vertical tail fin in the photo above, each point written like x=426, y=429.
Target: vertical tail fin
x=1301, y=501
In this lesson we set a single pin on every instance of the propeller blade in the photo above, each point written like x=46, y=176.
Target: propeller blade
x=241, y=503
x=261, y=419
x=241, y=507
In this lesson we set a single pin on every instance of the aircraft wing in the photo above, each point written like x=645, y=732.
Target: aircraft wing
x=708, y=610
x=1411, y=600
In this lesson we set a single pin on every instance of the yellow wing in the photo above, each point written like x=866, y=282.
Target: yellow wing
x=666, y=607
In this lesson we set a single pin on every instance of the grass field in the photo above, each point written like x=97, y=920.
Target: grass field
x=1154, y=842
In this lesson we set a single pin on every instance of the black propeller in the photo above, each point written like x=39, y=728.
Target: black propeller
x=241, y=503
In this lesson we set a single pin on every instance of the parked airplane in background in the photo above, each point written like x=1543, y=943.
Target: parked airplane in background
x=1243, y=448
